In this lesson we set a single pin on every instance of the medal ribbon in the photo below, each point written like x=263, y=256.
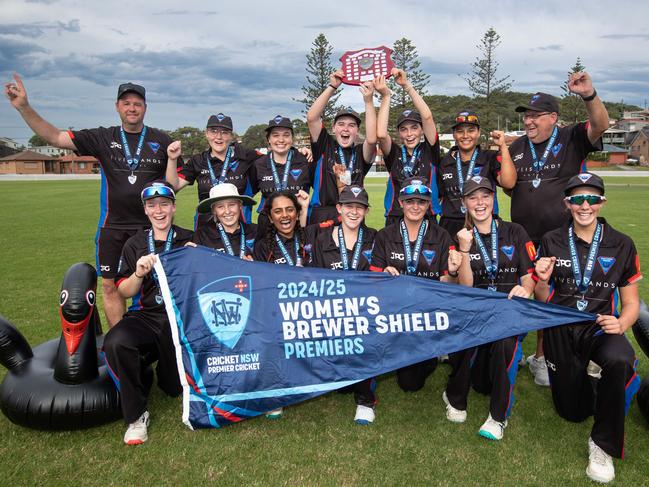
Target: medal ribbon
x=490, y=263
x=285, y=253
x=228, y=245
x=343, y=249
x=133, y=162
x=583, y=281
x=167, y=247
x=352, y=162
x=458, y=161
x=412, y=256
x=409, y=164
x=536, y=164
x=224, y=170
x=287, y=169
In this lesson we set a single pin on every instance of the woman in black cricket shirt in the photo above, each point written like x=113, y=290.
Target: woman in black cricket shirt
x=465, y=160
x=226, y=161
x=225, y=231
x=585, y=264
x=348, y=246
x=414, y=157
x=285, y=241
x=144, y=331
x=496, y=255
x=418, y=247
x=283, y=168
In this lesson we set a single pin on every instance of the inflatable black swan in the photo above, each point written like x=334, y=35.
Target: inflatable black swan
x=64, y=383
x=641, y=333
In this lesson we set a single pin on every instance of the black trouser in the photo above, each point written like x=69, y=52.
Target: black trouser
x=452, y=226
x=568, y=349
x=130, y=346
x=413, y=377
x=491, y=369
x=363, y=392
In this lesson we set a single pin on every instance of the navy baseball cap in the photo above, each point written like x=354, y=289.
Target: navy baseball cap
x=219, y=120
x=475, y=183
x=131, y=88
x=279, y=121
x=354, y=194
x=466, y=116
x=540, y=102
x=584, y=179
x=409, y=115
x=348, y=112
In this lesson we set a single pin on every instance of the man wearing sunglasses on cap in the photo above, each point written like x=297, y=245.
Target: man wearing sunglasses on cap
x=130, y=156
x=417, y=247
x=588, y=265
x=546, y=157
x=143, y=335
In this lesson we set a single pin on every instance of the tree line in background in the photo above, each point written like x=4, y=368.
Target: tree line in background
x=492, y=97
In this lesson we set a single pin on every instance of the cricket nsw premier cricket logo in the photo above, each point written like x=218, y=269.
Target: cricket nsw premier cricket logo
x=225, y=305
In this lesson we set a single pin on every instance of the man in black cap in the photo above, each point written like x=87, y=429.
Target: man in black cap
x=340, y=161
x=546, y=157
x=130, y=155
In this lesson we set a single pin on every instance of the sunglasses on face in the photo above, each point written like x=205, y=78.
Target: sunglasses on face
x=591, y=199
x=158, y=190
x=466, y=119
x=416, y=189
x=534, y=116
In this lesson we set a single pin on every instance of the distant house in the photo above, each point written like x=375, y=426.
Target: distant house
x=639, y=145
x=11, y=143
x=616, y=156
x=49, y=150
x=74, y=164
x=29, y=162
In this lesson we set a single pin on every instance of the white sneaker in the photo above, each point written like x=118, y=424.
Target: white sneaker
x=275, y=413
x=136, y=434
x=539, y=370
x=364, y=415
x=492, y=429
x=452, y=414
x=600, y=464
x=594, y=370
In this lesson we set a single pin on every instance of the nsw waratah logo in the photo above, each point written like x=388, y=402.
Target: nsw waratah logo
x=368, y=255
x=295, y=173
x=556, y=149
x=584, y=177
x=225, y=306
x=508, y=250
x=534, y=98
x=429, y=255
x=356, y=191
x=606, y=263
x=220, y=117
x=277, y=119
x=154, y=146
x=406, y=113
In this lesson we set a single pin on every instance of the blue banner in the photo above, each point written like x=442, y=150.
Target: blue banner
x=251, y=337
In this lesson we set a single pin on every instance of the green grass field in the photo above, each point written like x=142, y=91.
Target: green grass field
x=48, y=225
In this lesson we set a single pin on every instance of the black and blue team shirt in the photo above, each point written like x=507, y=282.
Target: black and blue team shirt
x=208, y=235
x=516, y=254
x=120, y=204
x=149, y=298
x=433, y=258
x=325, y=154
x=425, y=165
x=325, y=254
x=617, y=265
x=487, y=165
x=541, y=209
x=300, y=176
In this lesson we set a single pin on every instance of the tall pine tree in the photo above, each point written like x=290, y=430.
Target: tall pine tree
x=318, y=68
x=482, y=80
x=572, y=106
x=405, y=56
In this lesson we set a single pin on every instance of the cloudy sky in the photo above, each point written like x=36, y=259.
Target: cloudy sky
x=247, y=58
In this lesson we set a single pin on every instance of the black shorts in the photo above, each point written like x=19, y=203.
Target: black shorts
x=109, y=243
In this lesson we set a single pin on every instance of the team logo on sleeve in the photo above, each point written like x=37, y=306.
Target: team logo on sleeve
x=368, y=255
x=531, y=251
x=606, y=263
x=508, y=250
x=295, y=173
x=225, y=306
x=154, y=146
x=250, y=243
x=429, y=255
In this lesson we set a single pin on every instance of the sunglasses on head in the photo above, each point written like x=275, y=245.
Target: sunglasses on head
x=158, y=190
x=578, y=199
x=416, y=189
x=466, y=119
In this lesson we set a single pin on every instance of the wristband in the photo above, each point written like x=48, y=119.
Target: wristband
x=139, y=277
x=453, y=274
x=464, y=251
x=333, y=87
x=591, y=97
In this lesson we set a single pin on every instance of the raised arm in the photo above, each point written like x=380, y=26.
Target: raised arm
x=174, y=150
x=369, y=146
x=314, y=115
x=17, y=96
x=507, y=177
x=382, y=134
x=427, y=122
x=581, y=84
